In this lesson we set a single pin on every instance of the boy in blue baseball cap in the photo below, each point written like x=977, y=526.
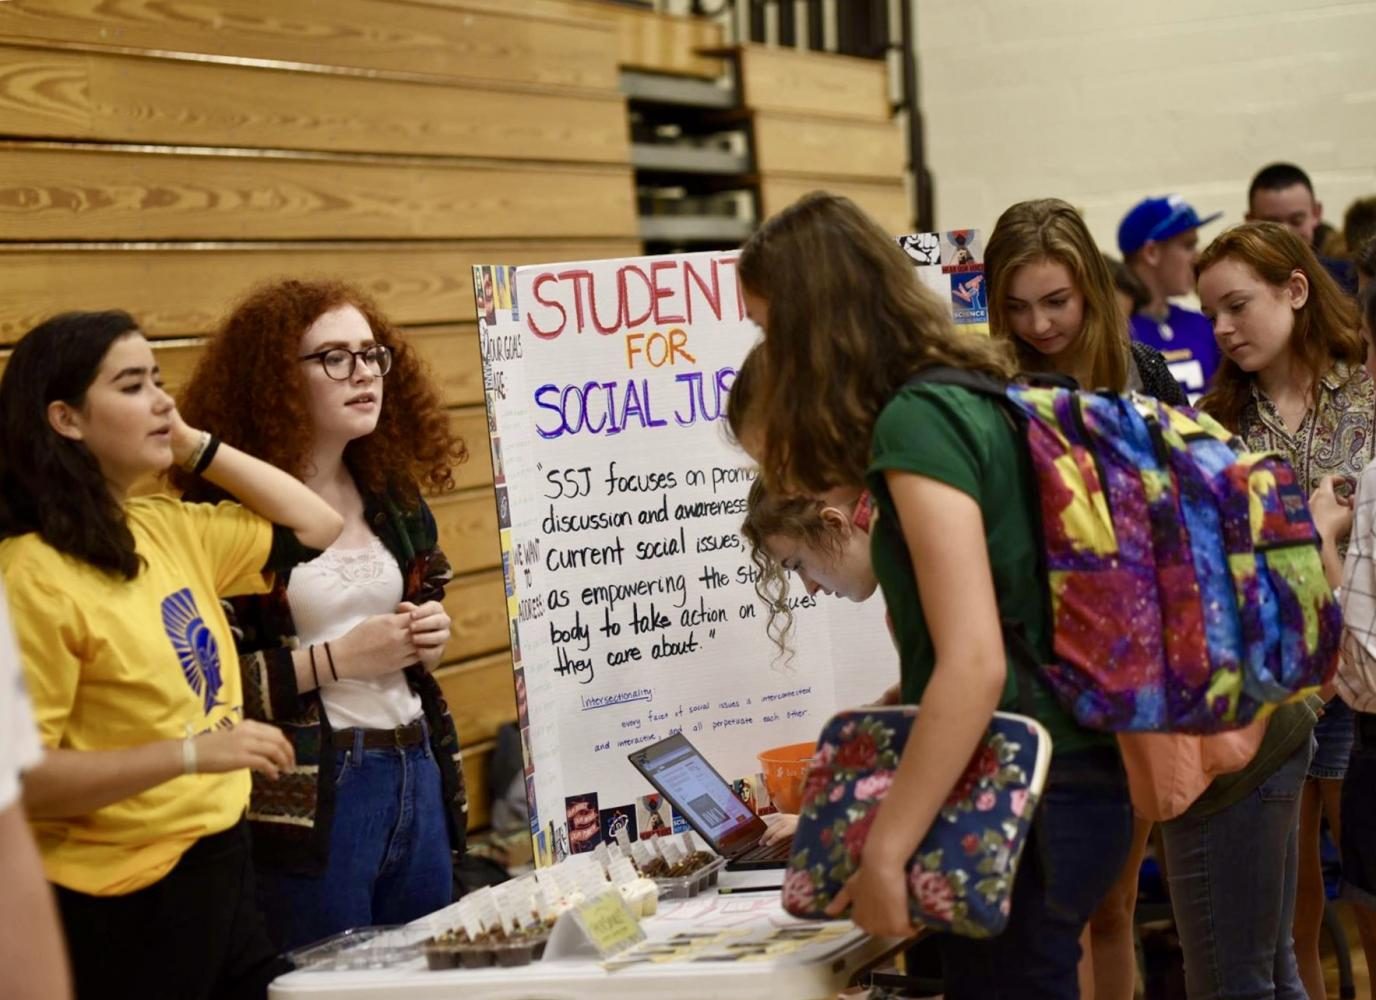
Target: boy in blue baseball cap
x=1159, y=240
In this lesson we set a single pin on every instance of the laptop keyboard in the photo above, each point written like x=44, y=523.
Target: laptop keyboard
x=767, y=852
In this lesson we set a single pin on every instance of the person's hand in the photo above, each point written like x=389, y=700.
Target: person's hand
x=377, y=646
x=878, y=896
x=1332, y=514
x=185, y=438
x=430, y=630
x=781, y=827
x=254, y=745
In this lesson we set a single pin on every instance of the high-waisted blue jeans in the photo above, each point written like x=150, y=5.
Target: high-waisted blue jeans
x=389, y=857
x=1232, y=882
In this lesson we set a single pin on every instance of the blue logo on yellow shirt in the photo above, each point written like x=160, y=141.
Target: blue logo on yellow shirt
x=194, y=644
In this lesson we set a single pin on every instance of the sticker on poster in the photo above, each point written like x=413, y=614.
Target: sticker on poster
x=923, y=249
x=522, y=707
x=503, y=508
x=515, y=644
x=501, y=278
x=481, y=299
x=489, y=296
x=530, y=803
x=560, y=841
x=585, y=826
x=498, y=466
x=511, y=286
x=526, y=755
x=653, y=816
x=969, y=301
x=681, y=825
x=961, y=247
x=615, y=820
x=751, y=790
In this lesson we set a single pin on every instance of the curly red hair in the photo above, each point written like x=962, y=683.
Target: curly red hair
x=249, y=391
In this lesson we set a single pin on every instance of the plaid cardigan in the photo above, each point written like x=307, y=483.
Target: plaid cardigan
x=291, y=817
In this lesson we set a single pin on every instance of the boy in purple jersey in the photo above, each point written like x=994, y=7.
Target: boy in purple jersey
x=1159, y=239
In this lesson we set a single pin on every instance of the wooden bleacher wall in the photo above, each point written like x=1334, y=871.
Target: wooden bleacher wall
x=163, y=158
x=823, y=121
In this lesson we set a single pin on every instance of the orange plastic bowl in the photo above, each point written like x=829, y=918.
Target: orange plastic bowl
x=785, y=769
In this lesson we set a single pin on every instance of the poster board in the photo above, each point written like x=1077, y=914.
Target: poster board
x=630, y=591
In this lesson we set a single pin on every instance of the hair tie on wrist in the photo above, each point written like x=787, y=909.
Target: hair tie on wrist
x=207, y=455
x=189, y=755
x=330, y=656
x=311, y=649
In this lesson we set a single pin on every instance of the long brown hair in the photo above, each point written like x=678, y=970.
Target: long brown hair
x=249, y=390
x=1051, y=229
x=1325, y=329
x=848, y=324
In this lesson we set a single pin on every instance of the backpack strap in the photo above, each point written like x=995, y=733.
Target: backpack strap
x=1023, y=657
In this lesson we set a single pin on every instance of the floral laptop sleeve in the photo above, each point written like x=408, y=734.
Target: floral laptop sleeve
x=961, y=877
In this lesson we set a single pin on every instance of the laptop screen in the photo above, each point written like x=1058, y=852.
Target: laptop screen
x=699, y=793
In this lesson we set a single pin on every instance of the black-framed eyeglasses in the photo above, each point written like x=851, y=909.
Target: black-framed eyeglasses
x=340, y=362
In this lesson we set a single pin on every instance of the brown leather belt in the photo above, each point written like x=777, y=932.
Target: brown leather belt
x=411, y=735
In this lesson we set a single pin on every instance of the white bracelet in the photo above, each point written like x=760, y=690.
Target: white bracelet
x=189, y=755
x=190, y=464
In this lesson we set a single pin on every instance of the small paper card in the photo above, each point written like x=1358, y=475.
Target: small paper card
x=608, y=924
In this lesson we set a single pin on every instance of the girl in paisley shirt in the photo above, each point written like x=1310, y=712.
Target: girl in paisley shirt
x=1293, y=381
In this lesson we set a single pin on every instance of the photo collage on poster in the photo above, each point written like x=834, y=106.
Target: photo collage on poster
x=494, y=291
x=951, y=263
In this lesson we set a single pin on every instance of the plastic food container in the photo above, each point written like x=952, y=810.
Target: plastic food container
x=692, y=883
x=452, y=952
x=361, y=948
x=785, y=769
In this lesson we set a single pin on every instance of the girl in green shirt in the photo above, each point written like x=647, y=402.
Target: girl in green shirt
x=846, y=326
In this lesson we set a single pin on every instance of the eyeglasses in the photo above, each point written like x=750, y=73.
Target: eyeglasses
x=339, y=362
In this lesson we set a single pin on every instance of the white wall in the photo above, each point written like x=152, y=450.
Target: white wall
x=1102, y=102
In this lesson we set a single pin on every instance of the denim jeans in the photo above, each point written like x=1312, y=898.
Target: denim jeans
x=1333, y=739
x=1232, y=884
x=1079, y=841
x=389, y=857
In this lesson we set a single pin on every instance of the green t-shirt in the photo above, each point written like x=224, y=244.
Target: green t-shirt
x=964, y=440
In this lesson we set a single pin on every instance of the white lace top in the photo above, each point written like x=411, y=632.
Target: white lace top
x=330, y=595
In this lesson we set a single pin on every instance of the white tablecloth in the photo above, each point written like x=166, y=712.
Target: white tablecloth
x=788, y=977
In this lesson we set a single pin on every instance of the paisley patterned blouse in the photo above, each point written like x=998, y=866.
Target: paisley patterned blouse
x=1337, y=436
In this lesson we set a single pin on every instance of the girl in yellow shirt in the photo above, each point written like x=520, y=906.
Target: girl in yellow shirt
x=137, y=807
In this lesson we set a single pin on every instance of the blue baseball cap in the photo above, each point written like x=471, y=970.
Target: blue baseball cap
x=1153, y=220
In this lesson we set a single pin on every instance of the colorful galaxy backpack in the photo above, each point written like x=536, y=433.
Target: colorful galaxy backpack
x=1187, y=594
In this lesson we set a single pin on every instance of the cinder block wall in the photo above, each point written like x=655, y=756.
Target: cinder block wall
x=1104, y=101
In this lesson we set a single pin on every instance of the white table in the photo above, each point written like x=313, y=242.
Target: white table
x=828, y=969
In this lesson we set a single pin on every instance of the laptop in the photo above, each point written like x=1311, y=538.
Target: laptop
x=701, y=796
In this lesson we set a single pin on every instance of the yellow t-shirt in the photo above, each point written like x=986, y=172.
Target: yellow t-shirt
x=114, y=663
